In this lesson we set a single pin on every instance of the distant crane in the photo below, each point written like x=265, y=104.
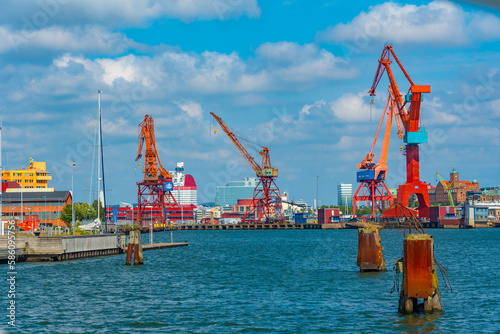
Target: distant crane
x=414, y=134
x=448, y=189
x=155, y=188
x=372, y=175
x=266, y=202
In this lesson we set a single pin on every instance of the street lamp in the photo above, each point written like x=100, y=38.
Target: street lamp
x=45, y=212
x=72, y=199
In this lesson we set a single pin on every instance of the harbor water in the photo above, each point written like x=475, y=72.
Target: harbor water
x=281, y=281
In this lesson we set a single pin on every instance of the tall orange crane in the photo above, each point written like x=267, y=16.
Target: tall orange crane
x=414, y=134
x=266, y=201
x=155, y=188
x=373, y=171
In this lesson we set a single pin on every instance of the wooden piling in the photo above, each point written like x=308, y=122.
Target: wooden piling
x=140, y=256
x=370, y=257
x=134, y=246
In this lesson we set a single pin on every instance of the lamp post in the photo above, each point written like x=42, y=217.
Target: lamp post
x=22, y=211
x=73, y=227
x=317, y=197
x=45, y=212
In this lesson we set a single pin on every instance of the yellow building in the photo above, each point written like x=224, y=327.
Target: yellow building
x=35, y=177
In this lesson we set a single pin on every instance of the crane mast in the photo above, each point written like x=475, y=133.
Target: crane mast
x=266, y=202
x=372, y=175
x=154, y=191
x=414, y=133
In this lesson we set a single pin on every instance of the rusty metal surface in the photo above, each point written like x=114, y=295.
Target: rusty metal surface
x=369, y=250
x=418, y=262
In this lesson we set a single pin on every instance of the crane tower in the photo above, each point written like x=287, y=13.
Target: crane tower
x=266, y=202
x=408, y=120
x=154, y=191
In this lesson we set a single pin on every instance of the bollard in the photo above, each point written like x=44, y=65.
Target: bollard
x=419, y=275
x=370, y=257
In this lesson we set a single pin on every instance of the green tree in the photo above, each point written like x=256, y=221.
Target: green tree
x=82, y=211
x=101, y=210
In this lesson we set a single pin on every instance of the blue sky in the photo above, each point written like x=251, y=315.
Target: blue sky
x=291, y=75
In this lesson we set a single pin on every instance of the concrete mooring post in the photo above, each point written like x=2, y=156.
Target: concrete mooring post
x=134, y=246
x=370, y=257
x=420, y=279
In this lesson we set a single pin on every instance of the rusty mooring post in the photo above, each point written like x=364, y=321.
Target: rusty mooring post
x=134, y=246
x=370, y=257
x=138, y=258
x=420, y=279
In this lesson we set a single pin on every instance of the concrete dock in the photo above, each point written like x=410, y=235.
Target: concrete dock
x=62, y=248
x=163, y=245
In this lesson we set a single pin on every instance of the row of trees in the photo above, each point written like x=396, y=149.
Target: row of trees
x=82, y=211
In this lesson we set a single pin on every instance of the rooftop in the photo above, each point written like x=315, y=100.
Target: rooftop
x=36, y=196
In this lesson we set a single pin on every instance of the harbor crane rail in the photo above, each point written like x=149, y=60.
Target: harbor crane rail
x=266, y=202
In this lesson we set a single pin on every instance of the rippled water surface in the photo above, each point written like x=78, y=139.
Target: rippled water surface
x=303, y=281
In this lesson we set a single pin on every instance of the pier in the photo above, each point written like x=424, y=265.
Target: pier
x=63, y=248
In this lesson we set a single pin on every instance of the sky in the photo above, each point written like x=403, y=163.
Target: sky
x=289, y=75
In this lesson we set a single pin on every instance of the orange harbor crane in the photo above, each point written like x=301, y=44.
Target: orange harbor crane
x=266, y=202
x=154, y=191
x=372, y=175
x=414, y=134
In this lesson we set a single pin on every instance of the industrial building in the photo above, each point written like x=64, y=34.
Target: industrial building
x=229, y=194
x=39, y=207
x=34, y=177
x=344, y=193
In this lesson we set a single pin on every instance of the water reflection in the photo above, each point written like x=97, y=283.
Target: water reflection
x=419, y=323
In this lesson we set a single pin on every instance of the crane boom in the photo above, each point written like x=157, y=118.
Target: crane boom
x=153, y=169
x=251, y=161
x=411, y=118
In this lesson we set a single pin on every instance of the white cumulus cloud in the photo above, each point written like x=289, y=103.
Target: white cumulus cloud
x=193, y=109
x=123, y=13
x=214, y=72
x=58, y=38
x=352, y=107
x=438, y=22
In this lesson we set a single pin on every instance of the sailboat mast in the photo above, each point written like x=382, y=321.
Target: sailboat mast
x=103, y=178
x=99, y=157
